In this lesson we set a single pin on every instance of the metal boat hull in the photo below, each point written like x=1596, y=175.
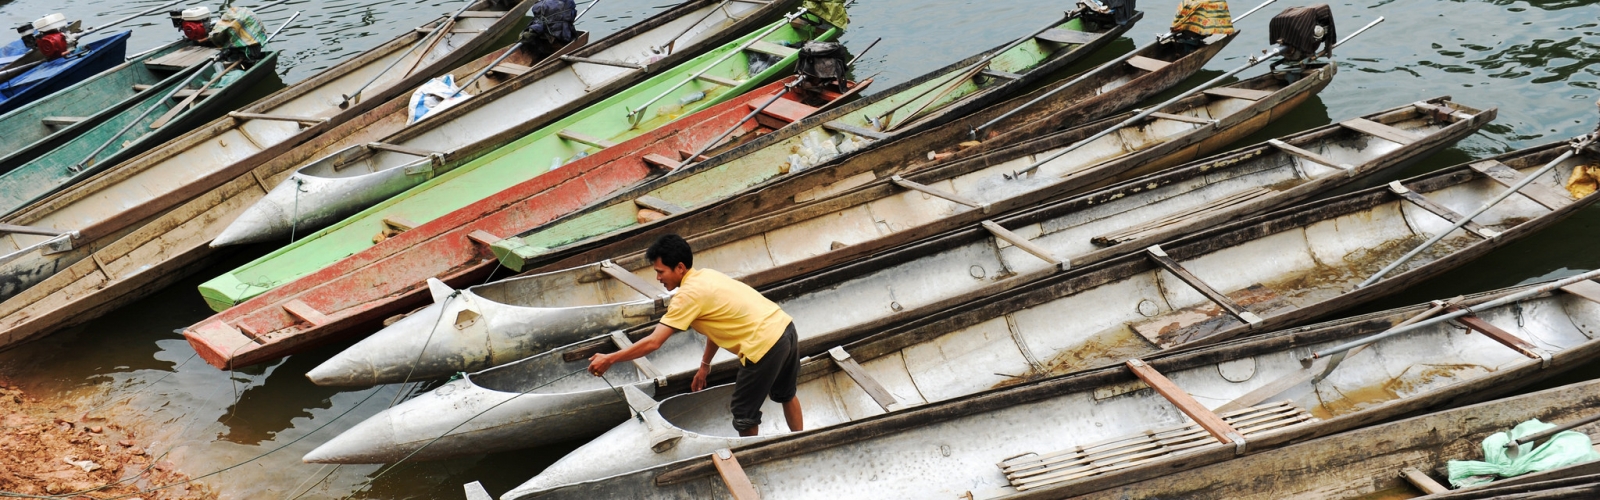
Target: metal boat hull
x=53, y=76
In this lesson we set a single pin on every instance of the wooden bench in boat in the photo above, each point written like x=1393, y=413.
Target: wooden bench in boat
x=1507, y=176
x=1058, y=35
x=1034, y=470
x=1443, y=212
x=772, y=49
x=1238, y=93
x=180, y=59
x=1147, y=64
x=1380, y=131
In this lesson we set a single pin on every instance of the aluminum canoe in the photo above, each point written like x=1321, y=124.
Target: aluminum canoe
x=744, y=64
x=1010, y=330
x=349, y=175
x=816, y=318
x=112, y=204
x=45, y=124
x=1376, y=459
x=1071, y=435
x=751, y=164
x=50, y=77
x=152, y=119
x=855, y=300
x=761, y=251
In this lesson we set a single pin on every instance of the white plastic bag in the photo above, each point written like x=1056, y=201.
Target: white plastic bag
x=435, y=95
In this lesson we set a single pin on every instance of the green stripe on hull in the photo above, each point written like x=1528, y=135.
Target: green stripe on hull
x=737, y=175
x=94, y=99
x=511, y=164
x=60, y=167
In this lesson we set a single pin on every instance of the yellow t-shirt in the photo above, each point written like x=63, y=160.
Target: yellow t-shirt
x=731, y=314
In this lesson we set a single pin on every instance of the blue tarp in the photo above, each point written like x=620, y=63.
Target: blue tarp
x=11, y=51
x=49, y=77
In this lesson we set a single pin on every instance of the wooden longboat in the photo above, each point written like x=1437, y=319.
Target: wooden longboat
x=1097, y=429
x=74, y=223
x=916, y=105
x=49, y=77
x=527, y=420
x=655, y=102
x=342, y=172
x=176, y=244
x=45, y=124
x=529, y=315
x=153, y=119
x=841, y=304
x=1393, y=460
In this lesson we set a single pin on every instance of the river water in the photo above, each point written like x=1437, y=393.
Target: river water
x=1532, y=59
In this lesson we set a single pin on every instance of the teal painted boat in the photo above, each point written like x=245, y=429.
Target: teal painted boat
x=47, y=123
x=685, y=89
x=152, y=120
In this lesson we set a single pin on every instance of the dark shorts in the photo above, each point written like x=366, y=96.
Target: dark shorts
x=774, y=376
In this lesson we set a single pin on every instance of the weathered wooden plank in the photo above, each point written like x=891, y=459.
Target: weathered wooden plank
x=1183, y=118
x=1442, y=211
x=1308, y=155
x=662, y=162
x=1146, y=63
x=725, y=82
x=1023, y=243
x=1587, y=289
x=1505, y=338
x=786, y=110
x=632, y=280
x=306, y=120
x=733, y=475
x=770, y=48
x=1135, y=232
x=643, y=363
x=511, y=69
x=1380, y=130
x=917, y=186
x=1172, y=266
x=1422, y=481
x=659, y=205
x=863, y=379
x=1207, y=420
x=582, y=138
x=1059, y=35
x=1507, y=176
x=1238, y=93
x=852, y=129
x=60, y=121
x=305, y=312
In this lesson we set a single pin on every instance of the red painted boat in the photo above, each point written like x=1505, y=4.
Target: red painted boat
x=390, y=277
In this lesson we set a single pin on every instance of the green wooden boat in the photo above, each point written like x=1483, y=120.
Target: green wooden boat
x=685, y=89
x=821, y=140
x=150, y=121
x=47, y=123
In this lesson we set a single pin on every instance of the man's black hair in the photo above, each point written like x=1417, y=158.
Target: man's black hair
x=672, y=250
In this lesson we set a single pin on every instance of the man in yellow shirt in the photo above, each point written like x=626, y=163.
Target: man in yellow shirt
x=732, y=316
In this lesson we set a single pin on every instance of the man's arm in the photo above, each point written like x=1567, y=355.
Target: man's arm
x=700, y=375
x=600, y=362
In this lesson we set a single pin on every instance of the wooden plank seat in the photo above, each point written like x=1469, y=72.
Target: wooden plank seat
x=1147, y=64
x=1308, y=155
x=511, y=69
x=733, y=476
x=852, y=129
x=1059, y=35
x=646, y=368
x=490, y=14
x=863, y=379
x=661, y=162
x=1142, y=230
x=659, y=205
x=61, y=121
x=1381, y=131
x=1442, y=211
x=1507, y=176
x=1505, y=338
x=1172, y=266
x=180, y=59
x=582, y=138
x=786, y=110
x=718, y=80
x=631, y=280
x=929, y=190
x=1018, y=241
x=1033, y=470
x=1587, y=289
x=772, y=49
x=1238, y=93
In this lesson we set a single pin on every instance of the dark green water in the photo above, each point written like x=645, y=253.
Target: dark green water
x=1532, y=60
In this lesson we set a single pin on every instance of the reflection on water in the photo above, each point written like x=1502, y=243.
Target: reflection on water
x=1533, y=60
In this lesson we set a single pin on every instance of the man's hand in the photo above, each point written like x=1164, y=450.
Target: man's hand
x=699, y=381
x=599, y=363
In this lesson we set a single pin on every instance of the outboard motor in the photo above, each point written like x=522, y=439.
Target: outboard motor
x=1303, y=34
x=823, y=63
x=239, y=34
x=29, y=37
x=194, y=22
x=1104, y=13
x=51, y=40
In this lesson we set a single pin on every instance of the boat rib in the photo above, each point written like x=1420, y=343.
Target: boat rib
x=753, y=161
x=107, y=206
